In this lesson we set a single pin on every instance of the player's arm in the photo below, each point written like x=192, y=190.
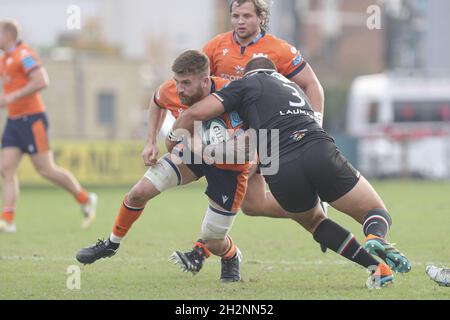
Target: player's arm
x=310, y=84
x=156, y=117
x=38, y=81
x=205, y=109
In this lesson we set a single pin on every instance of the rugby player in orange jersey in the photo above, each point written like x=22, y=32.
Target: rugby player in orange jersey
x=227, y=183
x=23, y=76
x=229, y=53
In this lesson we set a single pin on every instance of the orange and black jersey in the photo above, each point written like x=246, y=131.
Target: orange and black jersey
x=166, y=97
x=228, y=58
x=15, y=68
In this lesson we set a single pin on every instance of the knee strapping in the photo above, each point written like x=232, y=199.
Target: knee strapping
x=216, y=224
x=164, y=174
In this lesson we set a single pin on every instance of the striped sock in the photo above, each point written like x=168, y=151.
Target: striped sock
x=341, y=241
x=230, y=250
x=8, y=214
x=377, y=222
x=127, y=216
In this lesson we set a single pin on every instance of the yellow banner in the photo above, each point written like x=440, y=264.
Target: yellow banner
x=92, y=163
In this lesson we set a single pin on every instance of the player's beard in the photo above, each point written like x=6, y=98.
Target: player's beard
x=190, y=100
x=247, y=34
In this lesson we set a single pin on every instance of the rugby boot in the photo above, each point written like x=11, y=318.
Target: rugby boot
x=191, y=261
x=102, y=249
x=439, y=275
x=230, y=271
x=386, y=251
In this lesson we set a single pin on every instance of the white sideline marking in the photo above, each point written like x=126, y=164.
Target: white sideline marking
x=248, y=262
x=35, y=258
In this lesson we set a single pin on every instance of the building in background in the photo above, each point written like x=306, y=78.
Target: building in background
x=133, y=26
x=103, y=75
x=333, y=36
x=95, y=98
x=401, y=70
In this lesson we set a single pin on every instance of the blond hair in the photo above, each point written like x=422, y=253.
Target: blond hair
x=262, y=10
x=11, y=27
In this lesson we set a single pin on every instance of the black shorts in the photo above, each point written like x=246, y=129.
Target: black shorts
x=226, y=188
x=28, y=133
x=320, y=170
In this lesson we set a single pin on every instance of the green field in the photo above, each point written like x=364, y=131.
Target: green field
x=281, y=260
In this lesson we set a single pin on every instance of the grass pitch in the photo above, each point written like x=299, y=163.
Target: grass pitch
x=281, y=260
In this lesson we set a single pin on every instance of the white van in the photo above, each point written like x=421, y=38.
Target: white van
x=403, y=125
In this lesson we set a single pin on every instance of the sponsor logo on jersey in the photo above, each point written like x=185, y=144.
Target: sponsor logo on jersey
x=230, y=77
x=28, y=62
x=298, y=135
x=296, y=111
x=293, y=50
x=260, y=54
x=235, y=119
x=297, y=60
x=239, y=69
x=225, y=51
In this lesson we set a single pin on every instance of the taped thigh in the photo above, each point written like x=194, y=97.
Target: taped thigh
x=164, y=174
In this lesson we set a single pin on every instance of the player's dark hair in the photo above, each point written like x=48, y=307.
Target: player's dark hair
x=259, y=63
x=10, y=26
x=262, y=10
x=191, y=62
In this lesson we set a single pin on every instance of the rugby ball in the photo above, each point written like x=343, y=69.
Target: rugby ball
x=214, y=131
